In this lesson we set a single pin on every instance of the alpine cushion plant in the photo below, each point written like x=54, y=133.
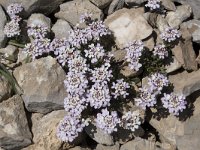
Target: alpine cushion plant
x=93, y=83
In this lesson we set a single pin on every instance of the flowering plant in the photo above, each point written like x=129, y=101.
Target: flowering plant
x=93, y=81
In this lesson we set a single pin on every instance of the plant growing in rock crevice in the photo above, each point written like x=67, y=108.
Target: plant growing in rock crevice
x=93, y=83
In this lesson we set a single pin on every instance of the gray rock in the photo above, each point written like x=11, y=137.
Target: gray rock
x=184, y=51
x=101, y=3
x=98, y=135
x=161, y=23
x=61, y=29
x=10, y=53
x=182, y=13
x=151, y=18
x=44, y=131
x=42, y=83
x=149, y=42
x=183, y=134
x=5, y=89
x=195, y=4
x=39, y=19
x=173, y=66
x=43, y=6
x=79, y=148
x=194, y=28
x=2, y=24
x=102, y=147
x=168, y=4
x=186, y=83
x=128, y=25
x=128, y=72
x=115, y=5
x=139, y=144
x=14, y=130
x=119, y=55
x=72, y=10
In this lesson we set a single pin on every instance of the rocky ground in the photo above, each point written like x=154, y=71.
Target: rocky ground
x=29, y=120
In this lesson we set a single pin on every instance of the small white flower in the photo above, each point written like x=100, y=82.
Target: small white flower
x=160, y=51
x=153, y=4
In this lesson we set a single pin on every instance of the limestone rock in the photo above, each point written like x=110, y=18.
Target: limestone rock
x=98, y=135
x=139, y=144
x=43, y=6
x=168, y=4
x=102, y=147
x=10, y=53
x=44, y=132
x=176, y=18
x=79, y=148
x=161, y=23
x=184, y=51
x=195, y=4
x=186, y=83
x=5, y=89
x=115, y=5
x=194, y=28
x=72, y=10
x=101, y=3
x=3, y=21
x=61, y=29
x=128, y=72
x=128, y=25
x=42, y=83
x=173, y=66
x=14, y=130
x=135, y=2
x=39, y=19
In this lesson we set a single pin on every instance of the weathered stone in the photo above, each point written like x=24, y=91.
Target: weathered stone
x=101, y=3
x=194, y=28
x=102, y=147
x=151, y=18
x=14, y=130
x=128, y=72
x=139, y=144
x=195, y=4
x=98, y=135
x=22, y=57
x=44, y=132
x=173, y=66
x=39, y=19
x=10, y=53
x=183, y=134
x=186, y=83
x=128, y=25
x=149, y=43
x=184, y=51
x=182, y=13
x=42, y=82
x=161, y=23
x=72, y=10
x=119, y=55
x=79, y=148
x=5, y=89
x=43, y=6
x=168, y=4
x=2, y=24
x=61, y=29
x=114, y=6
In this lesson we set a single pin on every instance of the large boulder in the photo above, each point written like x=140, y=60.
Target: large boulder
x=14, y=130
x=42, y=83
x=195, y=4
x=3, y=21
x=43, y=6
x=101, y=3
x=72, y=10
x=128, y=25
x=5, y=89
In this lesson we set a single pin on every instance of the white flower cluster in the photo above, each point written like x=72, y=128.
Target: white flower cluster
x=170, y=34
x=107, y=121
x=174, y=103
x=133, y=52
x=120, y=88
x=160, y=51
x=131, y=120
x=147, y=96
x=37, y=31
x=12, y=28
x=153, y=4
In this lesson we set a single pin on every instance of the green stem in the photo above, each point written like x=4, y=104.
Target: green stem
x=16, y=44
